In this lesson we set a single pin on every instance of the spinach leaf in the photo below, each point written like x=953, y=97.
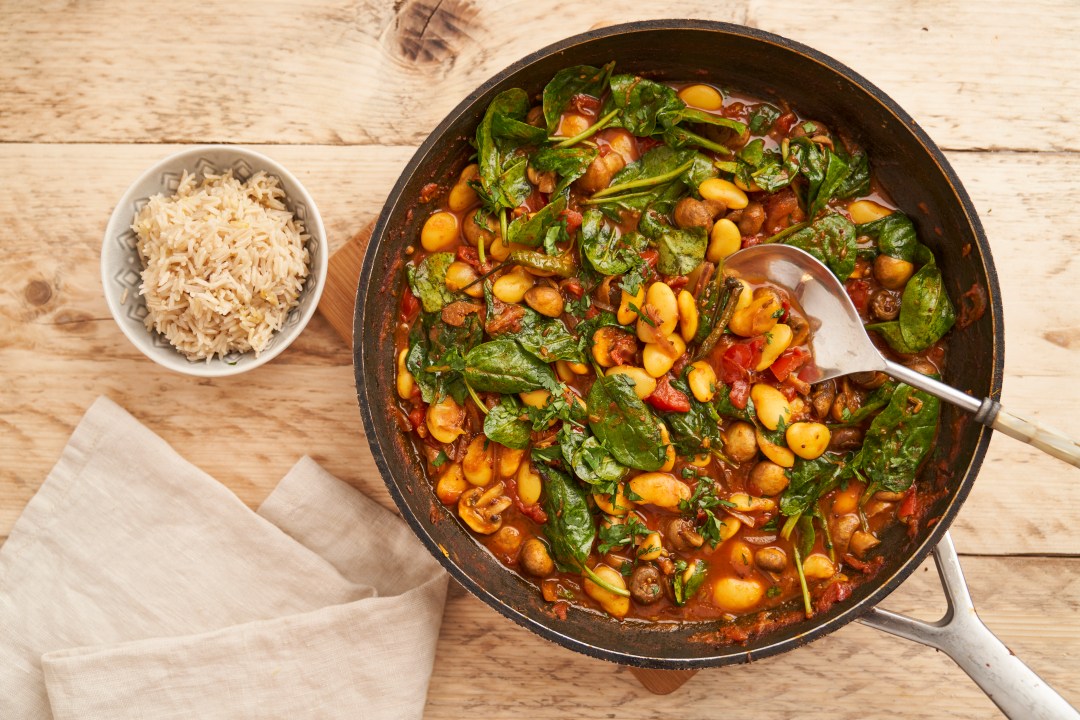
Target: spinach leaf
x=725, y=408
x=619, y=535
x=836, y=172
x=857, y=182
x=503, y=424
x=570, y=527
x=609, y=252
x=589, y=460
x=530, y=231
x=503, y=182
x=548, y=339
x=899, y=439
x=428, y=281
x=810, y=479
x=681, y=250
x=568, y=82
x=623, y=424
x=762, y=118
x=693, y=115
x=436, y=355
x=895, y=235
x=765, y=168
x=568, y=163
x=926, y=313
x=686, y=589
x=655, y=169
x=877, y=400
x=703, y=502
x=503, y=366
x=832, y=240
x=697, y=431
x=643, y=104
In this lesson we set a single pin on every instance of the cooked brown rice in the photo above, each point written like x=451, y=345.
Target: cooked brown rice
x=224, y=263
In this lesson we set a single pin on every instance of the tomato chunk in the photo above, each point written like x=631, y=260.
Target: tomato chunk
x=666, y=398
x=788, y=362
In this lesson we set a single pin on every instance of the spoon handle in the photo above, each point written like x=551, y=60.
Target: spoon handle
x=990, y=413
x=1048, y=440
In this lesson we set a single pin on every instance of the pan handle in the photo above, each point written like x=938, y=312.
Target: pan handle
x=1012, y=685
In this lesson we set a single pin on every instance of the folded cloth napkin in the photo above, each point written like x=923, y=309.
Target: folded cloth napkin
x=136, y=586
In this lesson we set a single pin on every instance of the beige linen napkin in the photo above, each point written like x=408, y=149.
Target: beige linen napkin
x=136, y=586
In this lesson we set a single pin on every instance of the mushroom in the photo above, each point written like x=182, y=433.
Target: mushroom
x=645, y=584
x=682, y=535
x=480, y=508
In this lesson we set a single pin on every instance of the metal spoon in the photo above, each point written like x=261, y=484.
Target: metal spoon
x=841, y=346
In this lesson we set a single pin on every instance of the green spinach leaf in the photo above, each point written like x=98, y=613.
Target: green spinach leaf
x=568, y=163
x=503, y=182
x=926, y=313
x=810, y=479
x=681, y=250
x=686, y=589
x=623, y=424
x=589, y=460
x=895, y=235
x=608, y=251
x=503, y=366
x=568, y=82
x=428, y=281
x=570, y=527
x=697, y=431
x=765, y=168
x=899, y=439
x=531, y=231
x=548, y=339
x=762, y=118
x=644, y=106
x=832, y=240
x=504, y=424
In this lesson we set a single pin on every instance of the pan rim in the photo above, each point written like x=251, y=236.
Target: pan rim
x=730, y=654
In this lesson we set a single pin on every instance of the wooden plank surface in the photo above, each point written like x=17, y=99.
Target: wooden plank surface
x=91, y=93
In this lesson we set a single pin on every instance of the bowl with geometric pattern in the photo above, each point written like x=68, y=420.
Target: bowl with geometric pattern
x=121, y=266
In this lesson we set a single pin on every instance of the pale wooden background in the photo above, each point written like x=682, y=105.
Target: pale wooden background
x=341, y=92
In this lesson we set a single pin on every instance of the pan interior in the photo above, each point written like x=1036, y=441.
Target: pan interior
x=906, y=162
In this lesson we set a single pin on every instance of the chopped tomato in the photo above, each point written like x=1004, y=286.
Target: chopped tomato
x=416, y=417
x=666, y=398
x=837, y=592
x=783, y=124
x=573, y=220
x=468, y=254
x=410, y=304
x=573, y=286
x=585, y=104
x=909, y=506
x=787, y=311
x=740, y=357
x=740, y=394
x=650, y=256
x=788, y=362
x=428, y=192
x=592, y=312
x=859, y=292
x=677, y=283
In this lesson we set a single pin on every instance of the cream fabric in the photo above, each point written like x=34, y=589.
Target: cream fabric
x=136, y=586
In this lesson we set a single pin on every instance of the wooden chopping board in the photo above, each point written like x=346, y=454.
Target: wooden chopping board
x=336, y=305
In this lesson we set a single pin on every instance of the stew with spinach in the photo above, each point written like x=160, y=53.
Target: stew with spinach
x=612, y=415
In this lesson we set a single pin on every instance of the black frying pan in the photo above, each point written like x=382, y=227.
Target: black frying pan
x=904, y=158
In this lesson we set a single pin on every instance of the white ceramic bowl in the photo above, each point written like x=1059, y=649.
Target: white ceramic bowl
x=121, y=268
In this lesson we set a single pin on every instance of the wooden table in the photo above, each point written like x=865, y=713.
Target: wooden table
x=341, y=92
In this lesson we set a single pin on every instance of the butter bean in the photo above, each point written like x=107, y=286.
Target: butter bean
x=777, y=341
x=808, y=440
x=529, y=484
x=657, y=362
x=724, y=240
x=440, y=232
x=661, y=489
x=511, y=287
x=479, y=461
x=644, y=384
x=736, y=595
x=406, y=383
x=771, y=406
x=864, y=211
x=723, y=191
x=614, y=605
x=782, y=456
x=702, y=381
x=625, y=314
x=705, y=97
x=688, y=315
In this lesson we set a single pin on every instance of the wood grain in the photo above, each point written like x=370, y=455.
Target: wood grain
x=985, y=75
x=341, y=91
